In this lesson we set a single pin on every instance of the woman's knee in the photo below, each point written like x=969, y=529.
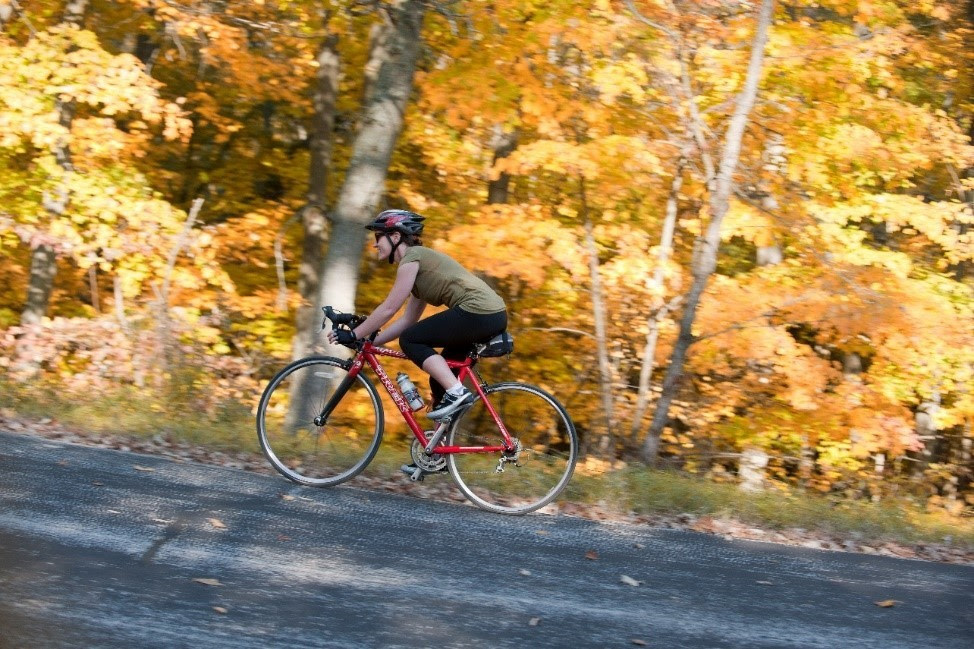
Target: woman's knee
x=418, y=354
x=414, y=351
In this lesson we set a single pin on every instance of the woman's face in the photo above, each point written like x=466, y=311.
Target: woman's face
x=383, y=243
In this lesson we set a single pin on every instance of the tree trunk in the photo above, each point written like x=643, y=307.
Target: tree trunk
x=365, y=179
x=379, y=43
x=705, y=257
x=8, y=12
x=607, y=441
x=659, y=309
x=43, y=266
x=74, y=12
x=313, y=213
x=926, y=429
x=503, y=145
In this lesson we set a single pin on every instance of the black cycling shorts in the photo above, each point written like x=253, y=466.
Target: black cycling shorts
x=455, y=330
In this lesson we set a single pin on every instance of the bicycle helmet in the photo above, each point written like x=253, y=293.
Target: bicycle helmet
x=407, y=223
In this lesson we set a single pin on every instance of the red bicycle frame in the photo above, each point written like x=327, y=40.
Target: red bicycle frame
x=369, y=355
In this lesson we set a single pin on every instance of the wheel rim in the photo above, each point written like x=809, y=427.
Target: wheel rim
x=308, y=453
x=549, y=449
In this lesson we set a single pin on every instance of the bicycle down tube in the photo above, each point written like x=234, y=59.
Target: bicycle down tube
x=370, y=352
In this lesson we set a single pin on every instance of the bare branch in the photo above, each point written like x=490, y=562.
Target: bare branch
x=177, y=248
x=666, y=30
x=279, y=261
x=564, y=330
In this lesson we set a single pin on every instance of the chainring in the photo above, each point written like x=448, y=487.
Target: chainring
x=430, y=463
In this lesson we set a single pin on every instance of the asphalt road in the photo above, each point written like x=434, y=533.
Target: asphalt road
x=102, y=548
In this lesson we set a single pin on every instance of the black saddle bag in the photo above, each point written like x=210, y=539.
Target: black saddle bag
x=500, y=345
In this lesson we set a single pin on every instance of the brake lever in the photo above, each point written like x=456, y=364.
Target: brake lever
x=329, y=315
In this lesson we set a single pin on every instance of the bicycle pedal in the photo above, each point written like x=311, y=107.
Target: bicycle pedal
x=418, y=475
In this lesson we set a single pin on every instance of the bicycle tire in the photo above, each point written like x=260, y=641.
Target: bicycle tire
x=549, y=449
x=319, y=456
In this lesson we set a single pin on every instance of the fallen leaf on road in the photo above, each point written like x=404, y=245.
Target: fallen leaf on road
x=283, y=537
x=703, y=524
x=63, y=463
x=638, y=546
x=208, y=582
x=534, y=621
x=542, y=532
x=592, y=555
x=220, y=610
x=287, y=497
x=888, y=603
x=638, y=642
x=139, y=467
x=629, y=581
x=523, y=572
x=98, y=484
x=766, y=583
x=217, y=523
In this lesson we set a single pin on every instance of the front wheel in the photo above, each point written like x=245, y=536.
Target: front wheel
x=336, y=447
x=538, y=469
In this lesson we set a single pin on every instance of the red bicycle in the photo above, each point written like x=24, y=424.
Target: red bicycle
x=320, y=422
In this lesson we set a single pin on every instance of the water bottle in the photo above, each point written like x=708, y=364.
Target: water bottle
x=409, y=391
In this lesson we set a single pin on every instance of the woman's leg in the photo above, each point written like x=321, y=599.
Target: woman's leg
x=449, y=353
x=440, y=373
x=455, y=330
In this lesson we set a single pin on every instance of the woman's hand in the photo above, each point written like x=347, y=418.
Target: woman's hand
x=342, y=337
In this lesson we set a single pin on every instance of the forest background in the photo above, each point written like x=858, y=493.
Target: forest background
x=736, y=238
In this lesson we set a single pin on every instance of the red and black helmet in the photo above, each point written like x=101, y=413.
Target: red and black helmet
x=402, y=221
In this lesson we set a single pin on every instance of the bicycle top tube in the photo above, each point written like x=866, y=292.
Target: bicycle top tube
x=375, y=350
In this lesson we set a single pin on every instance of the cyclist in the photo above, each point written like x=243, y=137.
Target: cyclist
x=427, y=277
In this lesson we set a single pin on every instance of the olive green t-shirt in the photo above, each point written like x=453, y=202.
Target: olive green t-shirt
x=442, y=281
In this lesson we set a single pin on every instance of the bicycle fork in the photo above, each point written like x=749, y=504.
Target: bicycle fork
x=340, y=391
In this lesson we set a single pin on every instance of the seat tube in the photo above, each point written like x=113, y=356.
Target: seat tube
x=479, y=387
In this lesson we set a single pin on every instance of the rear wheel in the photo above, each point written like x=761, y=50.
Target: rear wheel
x=334, y=449
x=533, y=474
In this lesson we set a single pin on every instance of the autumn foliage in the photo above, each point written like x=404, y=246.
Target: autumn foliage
x=547, y=143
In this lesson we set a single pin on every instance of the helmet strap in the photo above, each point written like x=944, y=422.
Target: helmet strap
x=392, y=251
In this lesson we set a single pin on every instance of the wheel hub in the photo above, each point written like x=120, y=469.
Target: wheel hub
x=512, y=457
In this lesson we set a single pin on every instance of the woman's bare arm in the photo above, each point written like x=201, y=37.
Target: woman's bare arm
x=398, y=294
x=414, y=309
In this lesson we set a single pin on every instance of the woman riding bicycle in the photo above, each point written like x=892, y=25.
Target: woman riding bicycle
x=427, y=277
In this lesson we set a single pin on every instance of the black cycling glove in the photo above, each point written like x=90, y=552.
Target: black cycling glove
x=345, y=337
